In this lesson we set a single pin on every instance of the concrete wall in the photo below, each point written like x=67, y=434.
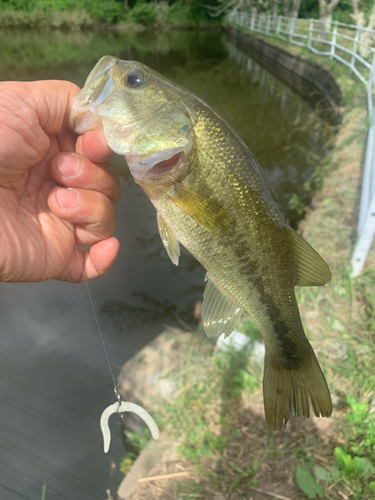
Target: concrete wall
x=271, y=55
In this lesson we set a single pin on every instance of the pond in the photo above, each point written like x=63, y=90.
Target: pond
x=54, y=381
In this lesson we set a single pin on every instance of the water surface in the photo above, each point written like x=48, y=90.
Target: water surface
x=54, y=382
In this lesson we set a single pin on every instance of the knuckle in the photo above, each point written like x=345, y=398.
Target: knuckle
x=105, y=218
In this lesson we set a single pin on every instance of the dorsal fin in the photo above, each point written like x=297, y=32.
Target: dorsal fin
x=312, y=269
x=220, y=313
x=171, y=244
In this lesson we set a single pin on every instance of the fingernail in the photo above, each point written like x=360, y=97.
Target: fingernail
x=79, y=146
x=68, y=165
x=68, y=198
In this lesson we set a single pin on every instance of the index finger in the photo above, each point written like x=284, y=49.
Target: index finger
x=93, y=145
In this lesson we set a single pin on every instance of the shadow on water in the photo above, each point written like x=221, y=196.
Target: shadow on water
x=54, y=381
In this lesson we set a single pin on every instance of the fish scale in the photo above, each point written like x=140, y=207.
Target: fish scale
x=212, y=196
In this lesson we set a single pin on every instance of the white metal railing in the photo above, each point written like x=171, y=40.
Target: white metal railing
x=349, y=44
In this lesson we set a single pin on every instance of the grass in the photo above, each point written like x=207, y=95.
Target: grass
x=217, y=411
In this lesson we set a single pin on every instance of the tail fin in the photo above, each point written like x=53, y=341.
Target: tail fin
x=288, y=392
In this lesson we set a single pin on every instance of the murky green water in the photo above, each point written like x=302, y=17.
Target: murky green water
x=54, y=382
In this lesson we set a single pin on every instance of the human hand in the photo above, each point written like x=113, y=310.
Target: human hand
x=55, y=192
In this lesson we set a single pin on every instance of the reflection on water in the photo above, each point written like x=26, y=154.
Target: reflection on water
x=152, y=310
x=54, y=381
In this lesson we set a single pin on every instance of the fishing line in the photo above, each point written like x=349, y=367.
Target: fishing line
x=120, y=406
x=115, y=386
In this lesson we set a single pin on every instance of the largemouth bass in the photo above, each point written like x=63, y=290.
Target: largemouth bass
x=212, y=196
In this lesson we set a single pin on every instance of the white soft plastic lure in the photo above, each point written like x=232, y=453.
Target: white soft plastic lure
x=118, y=408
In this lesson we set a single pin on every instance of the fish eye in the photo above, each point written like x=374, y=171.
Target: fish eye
x=134, y=79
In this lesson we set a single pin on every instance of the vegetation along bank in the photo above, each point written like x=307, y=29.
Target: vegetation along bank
x=216, y=412
x=123, y=15
x=137, y=14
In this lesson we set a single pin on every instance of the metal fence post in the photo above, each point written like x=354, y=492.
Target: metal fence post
x=355, y=47
x=333, y=43
x=268, y=24
x=278, y=26
x=291, y=31
x=311, y=27
x=370, y=85
x=252, y=21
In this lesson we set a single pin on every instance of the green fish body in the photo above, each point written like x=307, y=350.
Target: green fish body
x=211, y=196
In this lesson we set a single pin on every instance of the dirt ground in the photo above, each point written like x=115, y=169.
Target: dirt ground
x=276, y=473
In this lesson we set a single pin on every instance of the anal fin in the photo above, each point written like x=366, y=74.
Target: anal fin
x=220, y=313
x=288, y=392
x=312, y=269
x=171, y=244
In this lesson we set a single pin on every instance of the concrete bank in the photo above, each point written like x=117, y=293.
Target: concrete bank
x=148, y=379
x=313, y=81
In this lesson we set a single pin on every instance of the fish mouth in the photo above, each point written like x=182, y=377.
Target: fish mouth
x=155, y=166
x=165, y=165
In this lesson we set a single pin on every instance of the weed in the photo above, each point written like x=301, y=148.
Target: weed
x=351, y=473
x=307, y=482
x=295, y=204
x=126, y=464
x=134, y=443
x=208, y=384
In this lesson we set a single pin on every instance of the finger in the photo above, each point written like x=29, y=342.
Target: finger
x=33, y=112
x=93, y=145
x=91, y=210
x=51, y=100
x=92, y=262
x=74, y=170
x=66, y=140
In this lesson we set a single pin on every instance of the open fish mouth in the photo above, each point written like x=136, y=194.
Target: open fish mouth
x=166, y=165
x=155, y=165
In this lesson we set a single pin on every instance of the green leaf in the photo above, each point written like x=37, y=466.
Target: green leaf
x=335, y=473
x=307, y=483
x=300, y=453
x=322, y=474
x=363, y=466
x=235, y=467
x=256, y=465
x=359, y=465
x=344, y=461
x=371, y=486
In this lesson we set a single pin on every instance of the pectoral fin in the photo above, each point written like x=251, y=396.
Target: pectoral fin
x=172, y=245
x=312, y=269
x=208, y=213
x=220, y=313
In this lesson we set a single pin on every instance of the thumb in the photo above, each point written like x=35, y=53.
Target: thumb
x=52, y=100
x=30, y=112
